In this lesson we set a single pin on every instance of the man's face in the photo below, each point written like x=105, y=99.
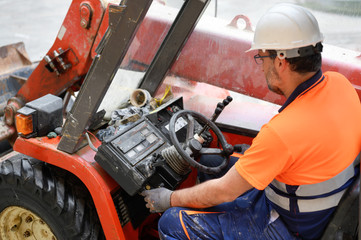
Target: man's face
x=270, y=73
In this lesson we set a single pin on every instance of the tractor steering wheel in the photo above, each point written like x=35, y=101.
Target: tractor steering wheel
x=192, y=148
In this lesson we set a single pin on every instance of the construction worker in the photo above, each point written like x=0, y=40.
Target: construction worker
x=291, y=179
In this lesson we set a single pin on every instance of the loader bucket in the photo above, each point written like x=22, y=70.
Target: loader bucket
x=13, y=57
x=15, y=68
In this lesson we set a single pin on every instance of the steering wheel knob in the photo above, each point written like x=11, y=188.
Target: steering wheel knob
x=195, y=145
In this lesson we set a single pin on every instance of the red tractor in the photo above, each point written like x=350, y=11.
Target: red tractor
x=61, y=181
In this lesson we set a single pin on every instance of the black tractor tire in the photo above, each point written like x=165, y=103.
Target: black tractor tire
x=57, y=197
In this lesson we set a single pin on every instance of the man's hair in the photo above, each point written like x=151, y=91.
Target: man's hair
x=303, y=64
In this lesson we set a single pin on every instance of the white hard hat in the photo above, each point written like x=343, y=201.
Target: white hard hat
x=286, y=27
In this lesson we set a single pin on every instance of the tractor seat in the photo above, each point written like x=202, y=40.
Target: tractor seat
x=344, y=223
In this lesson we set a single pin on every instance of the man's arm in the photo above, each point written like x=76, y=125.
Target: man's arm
x=212, y=192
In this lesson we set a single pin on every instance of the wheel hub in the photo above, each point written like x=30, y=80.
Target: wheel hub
x=20, y=223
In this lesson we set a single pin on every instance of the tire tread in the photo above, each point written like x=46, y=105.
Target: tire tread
x=63, y=193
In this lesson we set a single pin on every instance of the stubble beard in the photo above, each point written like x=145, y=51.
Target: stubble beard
x=273, y=75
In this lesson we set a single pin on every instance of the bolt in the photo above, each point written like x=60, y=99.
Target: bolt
x=9, y=115
x=27, y=234
x=29, y=219
x=84, y=23
x=44, y=233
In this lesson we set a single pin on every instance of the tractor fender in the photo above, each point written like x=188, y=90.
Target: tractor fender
x=82, y=165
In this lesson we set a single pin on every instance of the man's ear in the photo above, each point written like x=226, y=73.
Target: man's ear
x=281, y=64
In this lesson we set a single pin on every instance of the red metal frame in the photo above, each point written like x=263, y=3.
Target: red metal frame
x=73, y=37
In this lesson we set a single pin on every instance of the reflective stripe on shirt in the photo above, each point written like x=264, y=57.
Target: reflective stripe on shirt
x=322, y=187
x=309, y=196
x=305, y=205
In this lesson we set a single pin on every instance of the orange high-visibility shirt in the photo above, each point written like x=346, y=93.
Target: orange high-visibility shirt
x=313, y=138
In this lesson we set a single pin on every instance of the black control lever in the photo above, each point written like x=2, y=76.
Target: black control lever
x=217, y=112
x=238, y=148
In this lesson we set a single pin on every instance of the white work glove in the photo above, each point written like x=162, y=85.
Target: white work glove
x=158, y=199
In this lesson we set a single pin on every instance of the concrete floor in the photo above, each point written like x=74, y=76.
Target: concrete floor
x=36, y=22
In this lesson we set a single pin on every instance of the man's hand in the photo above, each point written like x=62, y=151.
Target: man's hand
x=158, y=199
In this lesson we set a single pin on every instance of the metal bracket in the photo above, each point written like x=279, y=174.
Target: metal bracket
x=61, y=61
